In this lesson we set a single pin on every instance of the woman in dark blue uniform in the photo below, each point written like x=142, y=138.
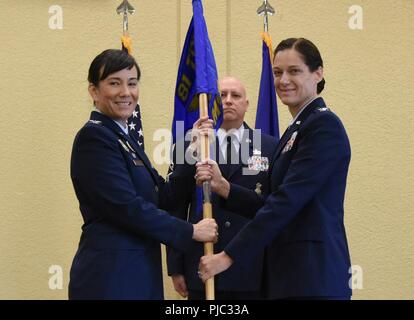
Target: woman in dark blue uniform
x=120, y=194
x=302, y=220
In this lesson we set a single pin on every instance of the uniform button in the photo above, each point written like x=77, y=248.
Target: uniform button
x=156, y=188
x=227, y=224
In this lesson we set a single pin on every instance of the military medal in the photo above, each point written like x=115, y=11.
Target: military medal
x=257, y=162
x=258, y=189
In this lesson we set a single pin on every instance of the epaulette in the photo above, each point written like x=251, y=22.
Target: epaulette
x=95, y=121
x=323, y=109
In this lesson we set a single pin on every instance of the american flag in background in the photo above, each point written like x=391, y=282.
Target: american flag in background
x=134, y=122
x=135, y=126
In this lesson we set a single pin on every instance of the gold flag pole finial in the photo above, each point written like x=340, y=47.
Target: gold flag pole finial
x=125, y=8
x=265, y=10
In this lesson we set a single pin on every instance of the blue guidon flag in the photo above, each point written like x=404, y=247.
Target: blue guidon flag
x=197, y=74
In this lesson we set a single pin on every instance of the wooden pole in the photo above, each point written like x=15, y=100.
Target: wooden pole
x=207, y=206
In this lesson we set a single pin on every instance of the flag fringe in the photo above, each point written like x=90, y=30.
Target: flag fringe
x=127, y=43
x=268, y=40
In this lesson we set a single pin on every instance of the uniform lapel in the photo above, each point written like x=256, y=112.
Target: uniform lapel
x=141, y=153
x=110, y=124
x=317, y=103
x=282, y=141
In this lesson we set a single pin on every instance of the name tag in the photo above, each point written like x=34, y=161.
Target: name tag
x=138, y=162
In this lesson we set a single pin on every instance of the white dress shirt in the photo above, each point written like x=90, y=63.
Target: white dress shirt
x=121, y=124
x=222, y=135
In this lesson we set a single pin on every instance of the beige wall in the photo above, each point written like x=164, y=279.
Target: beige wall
x=44, y=102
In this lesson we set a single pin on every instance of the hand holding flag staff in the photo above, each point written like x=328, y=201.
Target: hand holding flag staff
x=134, y=122
x=197, y=96
x=266, y=115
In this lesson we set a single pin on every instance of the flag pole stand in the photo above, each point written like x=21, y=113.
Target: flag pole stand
x=207, y=206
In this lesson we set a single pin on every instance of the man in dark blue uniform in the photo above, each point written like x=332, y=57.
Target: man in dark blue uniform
x=243, y=156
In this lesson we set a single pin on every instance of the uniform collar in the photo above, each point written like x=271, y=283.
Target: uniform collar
x=300, y=119
x=305, y=112
x=118, y=122
x=238, y=133
x=114, y=126
x=301, y=110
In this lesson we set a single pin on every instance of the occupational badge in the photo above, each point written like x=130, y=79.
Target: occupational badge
x=290, y=143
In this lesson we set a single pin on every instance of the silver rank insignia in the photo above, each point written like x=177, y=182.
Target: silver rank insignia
x=323, y=109
x=95, y=121
x=257, y=162
x=290, y=143
x=258, y=189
